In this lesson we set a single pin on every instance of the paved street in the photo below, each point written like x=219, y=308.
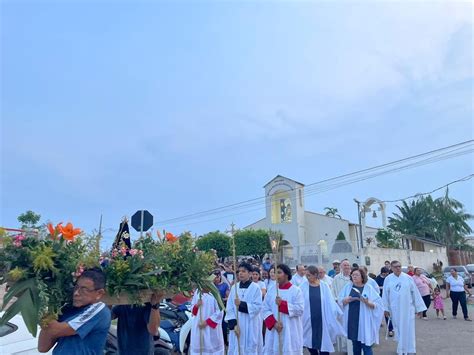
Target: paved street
x=437, y=336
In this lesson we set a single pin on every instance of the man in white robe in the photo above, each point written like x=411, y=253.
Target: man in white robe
x=323, y=277
x=329, y=311
x=245, y=332
x=206, y=331
x=370, y=280
x=402, y=300
x=299, y=278
x=339, y=282
x=287, y=327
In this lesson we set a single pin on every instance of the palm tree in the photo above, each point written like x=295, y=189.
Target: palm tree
x=414, y=218
x=443, y=219
x=332, y=212
x=451, y=220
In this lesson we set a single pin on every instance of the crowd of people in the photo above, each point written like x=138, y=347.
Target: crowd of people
x=269, y=310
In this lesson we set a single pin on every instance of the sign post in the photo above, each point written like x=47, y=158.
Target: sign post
x=142, y=221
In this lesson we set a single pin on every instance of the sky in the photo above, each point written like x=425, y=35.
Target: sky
x=109, y=107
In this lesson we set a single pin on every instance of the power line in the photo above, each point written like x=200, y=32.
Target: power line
x=466, y=178
x=459, y=149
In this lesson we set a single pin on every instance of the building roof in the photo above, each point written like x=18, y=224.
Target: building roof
x=283, y=177
x=421, y=239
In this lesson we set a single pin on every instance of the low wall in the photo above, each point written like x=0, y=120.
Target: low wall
x=377, y=257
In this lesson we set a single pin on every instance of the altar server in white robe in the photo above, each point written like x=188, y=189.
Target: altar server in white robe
x=363, y=312
x=248, y=332
x=402, y=300
x=290, y=304
x=322, y=315
x=207, y=319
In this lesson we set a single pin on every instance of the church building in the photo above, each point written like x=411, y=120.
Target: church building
x=317, y=239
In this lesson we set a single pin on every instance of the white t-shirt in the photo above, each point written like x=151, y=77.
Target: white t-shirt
x=456, y=285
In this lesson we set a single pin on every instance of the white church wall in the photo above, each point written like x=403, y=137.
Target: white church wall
x=424, y=259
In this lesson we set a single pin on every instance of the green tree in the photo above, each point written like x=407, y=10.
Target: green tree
x=332, y=212
x=218, y=241
x=386, y=238
x=451, y=221
x=29, y=219
x=414, y=218
x=340, y=236
x=252, y=242
x=443, y=220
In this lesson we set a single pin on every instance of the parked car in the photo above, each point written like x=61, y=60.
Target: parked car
x=462, y=271
x=470, y=269
x=434, y=282
x=16, y=339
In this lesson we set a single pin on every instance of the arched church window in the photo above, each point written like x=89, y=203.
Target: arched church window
x=281, y=208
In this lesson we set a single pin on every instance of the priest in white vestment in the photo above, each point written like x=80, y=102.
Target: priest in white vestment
x=402, y=301
x=339, y=282
x=322, y=315
x=323, y=277
x=245, y=332
x=287, y=326
x=299, y=278
x=206, y=329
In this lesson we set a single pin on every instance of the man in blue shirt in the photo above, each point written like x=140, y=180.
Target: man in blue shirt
x=81, y=329
x=267, y=264
x=335, y=268
x=137, y=325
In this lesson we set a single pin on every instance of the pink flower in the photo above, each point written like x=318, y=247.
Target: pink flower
x=17, y=243
x=114, y=253
x=19, y=238
x=133, y=252
x=123, y=251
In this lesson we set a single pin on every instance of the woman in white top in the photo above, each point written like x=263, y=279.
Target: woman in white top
x=258, y=280
x=456, y=289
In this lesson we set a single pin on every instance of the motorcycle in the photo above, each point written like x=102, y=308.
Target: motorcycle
x=176, y=323
x=162, y=343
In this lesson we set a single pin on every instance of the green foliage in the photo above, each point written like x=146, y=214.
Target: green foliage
x=217, y=241
x=387, y=239
x=252, y=242
x=41, y=274
x=443, y=220
x=340, y=236
x=29, y=219
x=332, y=212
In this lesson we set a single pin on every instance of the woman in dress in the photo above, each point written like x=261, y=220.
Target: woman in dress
x=363, y=312
x=321, y=325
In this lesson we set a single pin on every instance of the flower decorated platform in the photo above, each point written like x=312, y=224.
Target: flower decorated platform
x=42, y=270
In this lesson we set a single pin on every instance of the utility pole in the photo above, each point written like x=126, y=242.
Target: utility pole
x=99, y=235
x=360, y=224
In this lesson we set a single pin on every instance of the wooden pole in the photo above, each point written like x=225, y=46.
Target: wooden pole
x=274, y=243
x=232, y=231
x=201, y=336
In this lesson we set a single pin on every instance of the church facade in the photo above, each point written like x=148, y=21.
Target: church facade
x=313, y=238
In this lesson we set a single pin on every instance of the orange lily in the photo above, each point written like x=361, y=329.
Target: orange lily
x=170, y=237
x=69, y=232
x=51, y=229
x=158, y=234
x=54, y=231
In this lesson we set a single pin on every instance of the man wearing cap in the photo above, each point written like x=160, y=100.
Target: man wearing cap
x=335, y=268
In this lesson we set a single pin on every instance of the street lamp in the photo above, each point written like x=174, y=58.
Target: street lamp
x=360, y=223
